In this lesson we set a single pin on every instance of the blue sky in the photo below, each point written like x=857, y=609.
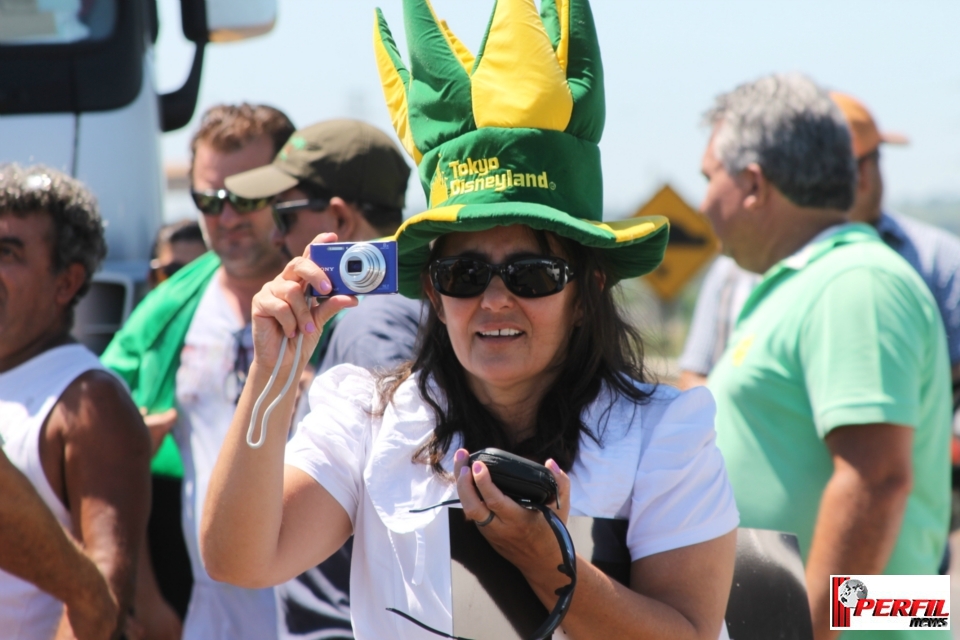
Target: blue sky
x=664, y=62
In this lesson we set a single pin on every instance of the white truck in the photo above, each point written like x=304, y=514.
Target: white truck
x=77, y=93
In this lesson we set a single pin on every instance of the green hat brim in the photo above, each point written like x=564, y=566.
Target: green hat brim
x=632, y=247
x=262, y=182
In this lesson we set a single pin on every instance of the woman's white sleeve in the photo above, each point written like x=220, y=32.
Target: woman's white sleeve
x=681, y=495
x=329, y=444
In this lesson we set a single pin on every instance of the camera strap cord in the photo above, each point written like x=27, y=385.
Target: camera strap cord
x=256, y=444
x=568, y=568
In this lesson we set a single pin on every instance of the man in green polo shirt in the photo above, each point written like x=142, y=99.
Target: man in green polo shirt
x=833, y=397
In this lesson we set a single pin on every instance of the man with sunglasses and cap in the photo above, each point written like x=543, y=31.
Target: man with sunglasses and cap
x=349, y=178
x=185, y=351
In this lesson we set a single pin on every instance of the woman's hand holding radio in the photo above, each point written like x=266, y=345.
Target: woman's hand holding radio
x=519, y=534
x=281, y=309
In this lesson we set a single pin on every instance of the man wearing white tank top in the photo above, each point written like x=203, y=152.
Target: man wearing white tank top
x=67, y=424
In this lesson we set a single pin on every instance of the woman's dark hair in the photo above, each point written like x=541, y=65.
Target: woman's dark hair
x=603, y=351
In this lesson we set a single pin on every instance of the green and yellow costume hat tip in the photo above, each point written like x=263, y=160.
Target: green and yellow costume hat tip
x=509, y=136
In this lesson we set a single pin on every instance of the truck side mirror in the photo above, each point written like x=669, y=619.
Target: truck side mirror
x=193, y=19
x=206, y=21
x=229, y=20
x=226, y=20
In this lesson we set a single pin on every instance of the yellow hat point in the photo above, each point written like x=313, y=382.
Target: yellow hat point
x=519, y=54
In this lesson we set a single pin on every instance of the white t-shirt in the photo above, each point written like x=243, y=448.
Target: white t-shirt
x=658, y=467
x=216, y=347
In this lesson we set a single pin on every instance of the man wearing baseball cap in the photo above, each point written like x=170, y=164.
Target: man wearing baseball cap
x=348, y=178
x=341, y=176
x=933, y=252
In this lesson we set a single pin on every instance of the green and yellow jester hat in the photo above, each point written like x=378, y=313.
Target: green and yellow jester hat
x=509, y=136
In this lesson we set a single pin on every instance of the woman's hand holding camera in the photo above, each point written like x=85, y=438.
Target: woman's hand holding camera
x=281, y=309
x=520, y=535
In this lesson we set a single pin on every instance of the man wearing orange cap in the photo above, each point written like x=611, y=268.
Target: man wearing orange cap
x=933, y=252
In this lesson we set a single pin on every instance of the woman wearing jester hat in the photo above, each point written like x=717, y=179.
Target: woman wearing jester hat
x=524, y=349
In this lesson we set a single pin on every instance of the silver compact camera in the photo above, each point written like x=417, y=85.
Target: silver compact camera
x=357, y=268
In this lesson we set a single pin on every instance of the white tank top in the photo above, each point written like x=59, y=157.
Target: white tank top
x=27, y=395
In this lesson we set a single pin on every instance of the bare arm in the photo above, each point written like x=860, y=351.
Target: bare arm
x=680, y=593
x=677, y=594
x=35, y=548
x=263, y=524
x=861, y=509
x=151, y=612
x=103, y=477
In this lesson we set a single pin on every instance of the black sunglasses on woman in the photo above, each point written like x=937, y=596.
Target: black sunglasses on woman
x=535, y=277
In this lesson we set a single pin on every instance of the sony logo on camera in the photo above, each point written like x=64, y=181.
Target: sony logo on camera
x=354, y=268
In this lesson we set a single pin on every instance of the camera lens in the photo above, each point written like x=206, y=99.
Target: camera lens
x=362, y=267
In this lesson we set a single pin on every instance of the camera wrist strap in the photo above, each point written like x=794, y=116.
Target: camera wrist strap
x=256, y=444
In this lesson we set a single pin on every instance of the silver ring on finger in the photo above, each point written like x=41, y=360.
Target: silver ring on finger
x=485, y=521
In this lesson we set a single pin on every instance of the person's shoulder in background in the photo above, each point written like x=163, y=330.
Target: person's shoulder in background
x=697, y=356
x=936, y=248
x=935, y=254
x=720, y=270
x=379, y=332
x=724, y=289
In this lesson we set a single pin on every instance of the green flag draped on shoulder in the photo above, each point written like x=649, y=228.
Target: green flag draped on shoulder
x=146, y=351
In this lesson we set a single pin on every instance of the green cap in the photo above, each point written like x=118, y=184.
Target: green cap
x=509, y=135
x=345, y=158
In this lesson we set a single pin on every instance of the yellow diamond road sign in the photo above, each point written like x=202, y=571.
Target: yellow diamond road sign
x=692, y=242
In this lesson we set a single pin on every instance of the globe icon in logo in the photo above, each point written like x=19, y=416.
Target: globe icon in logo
x=851, y=592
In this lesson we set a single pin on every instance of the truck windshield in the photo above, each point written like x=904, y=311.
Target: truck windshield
x=53, y=22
